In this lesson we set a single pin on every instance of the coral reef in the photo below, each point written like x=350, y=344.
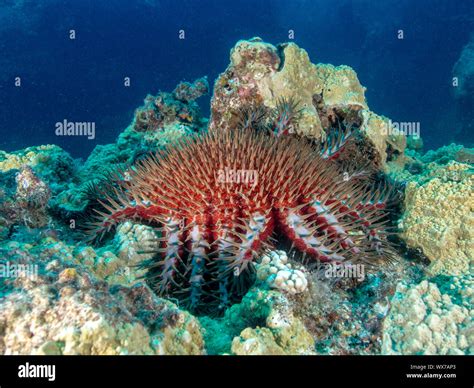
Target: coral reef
x=188, y=92
x=263, y=323
x=283, y=333
x=61, y=308
x=345, y=314
x=31, y=197
x=293, y=339
x=168, y=108
x=28, y=205
x=438, y=216
x=119, y=262
x=275, y=270
x=332, y=316
x=448, y=153
x=425, y=319
x=260, y=73
x=50, y=162
x=60, y=295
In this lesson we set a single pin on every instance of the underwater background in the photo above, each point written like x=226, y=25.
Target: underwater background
x=409, y=80
x=237, y=177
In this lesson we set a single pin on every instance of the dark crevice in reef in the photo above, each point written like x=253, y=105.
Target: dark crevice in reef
x=392, y=153
x=415, y=255
x=281, y=55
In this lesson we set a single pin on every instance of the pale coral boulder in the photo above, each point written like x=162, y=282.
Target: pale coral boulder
x=425, y=320
x=439, y=217
x=261, y=73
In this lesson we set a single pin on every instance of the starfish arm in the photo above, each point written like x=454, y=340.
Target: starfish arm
x=334, y=144
x=303, y=234
x=358, y=222
x=165, y=269
x=241, y=244
x=197, y=264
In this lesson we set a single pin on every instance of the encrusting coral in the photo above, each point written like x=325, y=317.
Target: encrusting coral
x=28, y=205
x=167, y=108
x=439, y=219
x=424, y=319
x=262, y=323
x=56, y=306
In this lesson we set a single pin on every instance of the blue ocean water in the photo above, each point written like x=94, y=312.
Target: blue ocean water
x=82, y=79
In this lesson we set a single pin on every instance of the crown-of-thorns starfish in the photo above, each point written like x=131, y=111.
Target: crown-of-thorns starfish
x=219, y=198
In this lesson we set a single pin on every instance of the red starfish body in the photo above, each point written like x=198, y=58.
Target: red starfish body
x=217, y=199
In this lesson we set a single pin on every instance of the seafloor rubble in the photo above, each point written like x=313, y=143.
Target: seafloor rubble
x=60, y=295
